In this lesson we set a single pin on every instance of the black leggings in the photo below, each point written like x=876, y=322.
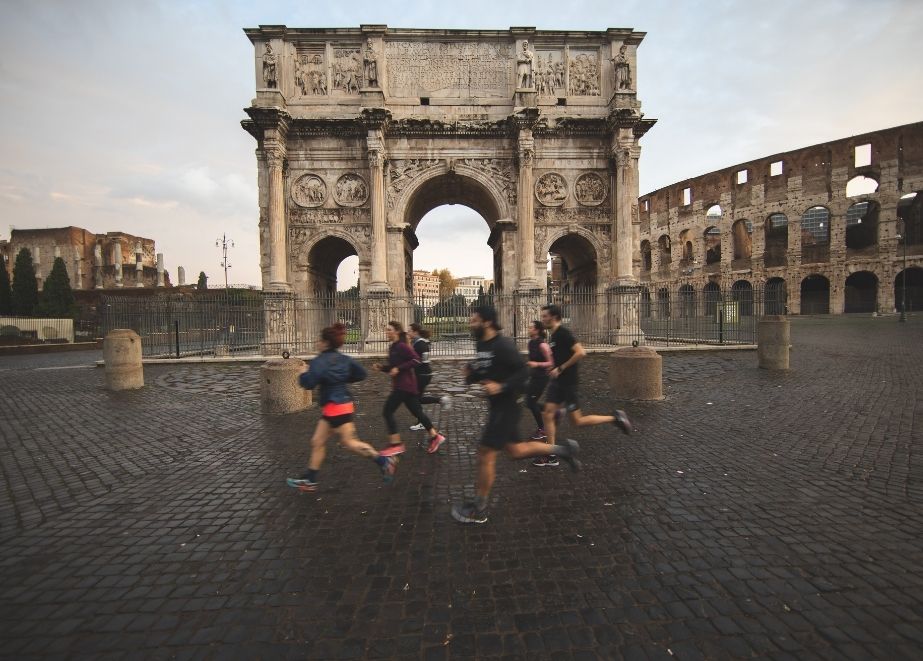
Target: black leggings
x=537, y=384
x=424, y=380
x=411, y=401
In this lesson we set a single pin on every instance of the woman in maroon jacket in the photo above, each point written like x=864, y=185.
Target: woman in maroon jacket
x=400, y=366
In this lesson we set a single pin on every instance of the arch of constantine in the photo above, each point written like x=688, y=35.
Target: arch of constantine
x=362, y=131
x=832, y=228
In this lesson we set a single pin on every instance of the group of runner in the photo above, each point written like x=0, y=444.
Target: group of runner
x=549, y=379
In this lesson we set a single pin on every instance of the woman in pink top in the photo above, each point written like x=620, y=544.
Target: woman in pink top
x=540, y=361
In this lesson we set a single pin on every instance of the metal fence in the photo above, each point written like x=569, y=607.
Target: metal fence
x=242, y=322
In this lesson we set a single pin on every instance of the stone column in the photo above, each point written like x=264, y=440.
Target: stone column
x=98, y=265
x=274, y=151
x=526, y=229
x=78, y=272
x=160, y=269
x=180, y=276
x=117, y=260
x=37, y=263
x=379, y=219
x=624, y=293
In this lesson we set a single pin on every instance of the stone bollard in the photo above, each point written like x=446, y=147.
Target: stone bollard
x=773, y=338
x=280, y=391
x=122, y=358
x=636, y=373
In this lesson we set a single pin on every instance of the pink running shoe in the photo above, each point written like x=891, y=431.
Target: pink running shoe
x=391, y=450
x=435, y=443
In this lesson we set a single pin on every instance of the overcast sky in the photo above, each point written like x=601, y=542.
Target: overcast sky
x=124, y=115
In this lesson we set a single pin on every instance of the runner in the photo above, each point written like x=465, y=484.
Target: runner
x=540, y=363
x=400, y=366
x=562, y=395
x=419, y=337
x=332, y=370
x=501, y=372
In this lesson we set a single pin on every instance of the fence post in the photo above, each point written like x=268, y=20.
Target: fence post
x=176, y=330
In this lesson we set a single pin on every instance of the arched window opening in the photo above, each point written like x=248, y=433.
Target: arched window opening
x=910, y=213
x=815, y=295
x=686, y=302
x=861, y=292
x=815, y=235
x=665, y=250
x=645, y=304
x=742, y=294
x=663, y=303
x=712, y=238
x=776, y=240
x=908, y=290
x=646, y=260
x=743, y=243
x=714, y=211
x=711, y=295
x=776, y=296
x=862, y=226
x=861, y=186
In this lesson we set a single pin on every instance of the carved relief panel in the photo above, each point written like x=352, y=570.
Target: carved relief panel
x=549, y=73
x=309, y=190
x=551, y=189
x=590, y=189
x=311, y=72
x=402, y=171
x=497, y=170
x=583, y=73
x=347, y=70
x=351, y=190
x=453, y=69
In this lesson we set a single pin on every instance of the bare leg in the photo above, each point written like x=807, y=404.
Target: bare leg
x=350, y=440
x=319, y=444
x=487, y=460
x=527, y=449
x=580, y=420
x=551, y=426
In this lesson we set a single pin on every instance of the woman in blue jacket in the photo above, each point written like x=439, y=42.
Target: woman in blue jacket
x=331, y=371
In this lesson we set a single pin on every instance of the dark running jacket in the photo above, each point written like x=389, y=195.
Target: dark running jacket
x=332, y=370
x=499, y=360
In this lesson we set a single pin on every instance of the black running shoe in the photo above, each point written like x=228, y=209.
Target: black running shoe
x=469, y=513
x=547, y=460
x=570, y=457
x=621, y=421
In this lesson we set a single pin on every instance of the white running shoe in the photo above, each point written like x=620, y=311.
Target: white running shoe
x=445, y=402
x=417, y=427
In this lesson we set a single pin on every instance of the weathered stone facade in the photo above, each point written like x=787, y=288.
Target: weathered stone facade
x=101, y=261
x=847, y=239
x=361, y=132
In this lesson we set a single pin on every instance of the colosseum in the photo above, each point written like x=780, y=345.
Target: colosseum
x=827, y=229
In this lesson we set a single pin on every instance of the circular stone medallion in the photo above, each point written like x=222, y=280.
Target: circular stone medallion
x=590, y=189
x=350, y=190
x=309, y=190
x=551, y=189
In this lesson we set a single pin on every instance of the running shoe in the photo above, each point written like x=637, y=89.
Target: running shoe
x=435, y=443
x=417, y=427
x=621, y=421
x=549, y=460
x=388, y=469
x=302, y=484
x=391, y=450
x=570, y=457
x=469, y=513
x=539, y=435
x=445, y=402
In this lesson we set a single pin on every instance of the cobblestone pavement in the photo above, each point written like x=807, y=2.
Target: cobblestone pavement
x=757, y=514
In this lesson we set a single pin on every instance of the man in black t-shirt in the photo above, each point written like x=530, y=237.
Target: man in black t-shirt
x=562, y=395
x=501, y=371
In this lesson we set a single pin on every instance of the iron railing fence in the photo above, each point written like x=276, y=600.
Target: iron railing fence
x=255, y=323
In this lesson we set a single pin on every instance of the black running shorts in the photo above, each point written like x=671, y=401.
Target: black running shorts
x=563, y=394
x=338, y=420
x=502, y=424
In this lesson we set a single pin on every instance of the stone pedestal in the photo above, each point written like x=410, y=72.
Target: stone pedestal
x=773, y=339
x=636, y=373
x=278, y=322
x=122, y=358
x=528, y=309
x=280, y=392
x=624, y=301
x=372, y=97
x=378, y=313
x=525, y=98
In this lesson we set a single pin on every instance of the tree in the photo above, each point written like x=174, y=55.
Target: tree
x=453, y=306
x=202, y=285
x=57, y=296
x=25, y=287
x=446, y=283
x=6, y=295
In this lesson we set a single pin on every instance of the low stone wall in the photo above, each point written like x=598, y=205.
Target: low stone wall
x=44, y=329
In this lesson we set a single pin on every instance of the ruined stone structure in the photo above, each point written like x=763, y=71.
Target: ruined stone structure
x=101, y=261
x=818, y=226
x=361, y=132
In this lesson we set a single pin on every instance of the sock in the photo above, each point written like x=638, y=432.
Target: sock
x=381, y=461
x=481, y=502
x=310, y=474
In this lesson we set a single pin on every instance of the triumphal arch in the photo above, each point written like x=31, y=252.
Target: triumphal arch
x=361, y=131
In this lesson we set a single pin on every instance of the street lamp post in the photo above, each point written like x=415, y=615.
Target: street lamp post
x=903, y=316
x=224, y=243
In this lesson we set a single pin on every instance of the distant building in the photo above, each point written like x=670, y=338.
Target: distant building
x=425, y=288
x=470, y=286
x=100, y=261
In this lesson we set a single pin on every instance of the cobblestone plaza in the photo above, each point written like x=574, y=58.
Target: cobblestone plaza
x=752, y=513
